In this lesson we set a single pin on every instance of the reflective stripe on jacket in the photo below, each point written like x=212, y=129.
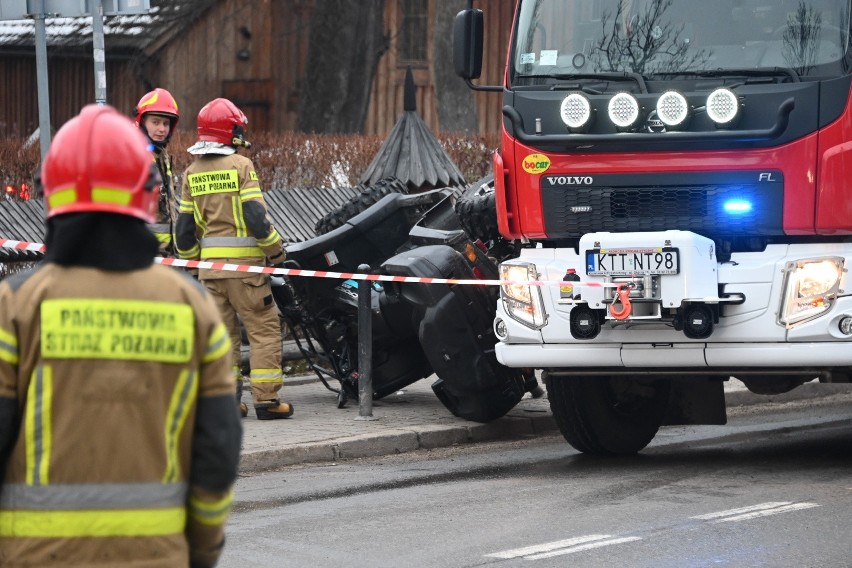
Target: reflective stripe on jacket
x=163, y=232
x=230, y=247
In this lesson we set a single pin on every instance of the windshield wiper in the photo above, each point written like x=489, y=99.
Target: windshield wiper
x=604, y=76
x=744, y=72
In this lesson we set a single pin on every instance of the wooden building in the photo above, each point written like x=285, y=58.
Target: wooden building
x=71, y=65
x=408, y=22
x=251, y=51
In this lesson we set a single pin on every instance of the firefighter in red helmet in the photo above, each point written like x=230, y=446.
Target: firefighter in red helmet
x=221, y=195
x=119, y=441
x=157, y=116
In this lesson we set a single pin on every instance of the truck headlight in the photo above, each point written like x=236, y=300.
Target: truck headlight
x=623, y=110
x=810, y=288
x=723, y=107
x=673, y=109
x=522, y=302
x=576, y=112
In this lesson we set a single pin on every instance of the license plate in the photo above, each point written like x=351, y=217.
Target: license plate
x=632, y=261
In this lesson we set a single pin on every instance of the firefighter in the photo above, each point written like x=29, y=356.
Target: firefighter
x=157, y=116
x=119, y=441
x=221, y=196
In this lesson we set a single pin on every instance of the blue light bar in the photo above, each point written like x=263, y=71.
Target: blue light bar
x=737, y=206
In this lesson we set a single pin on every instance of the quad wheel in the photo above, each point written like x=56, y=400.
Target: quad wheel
x=607, y=414
x=366, y=198
x=477, y=210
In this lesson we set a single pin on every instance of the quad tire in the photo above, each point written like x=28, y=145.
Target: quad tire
x=477, y=210
x=366, y=198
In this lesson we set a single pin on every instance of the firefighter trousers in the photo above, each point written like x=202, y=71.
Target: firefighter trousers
x=250, y=298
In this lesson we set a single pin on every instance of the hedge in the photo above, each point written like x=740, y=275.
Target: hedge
x=285, y=160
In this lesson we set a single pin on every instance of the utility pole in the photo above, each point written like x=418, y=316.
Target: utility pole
x=41, y=77
x=99, y=52
x=39, y=10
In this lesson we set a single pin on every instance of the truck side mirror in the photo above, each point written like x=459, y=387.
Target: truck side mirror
x=468, y=32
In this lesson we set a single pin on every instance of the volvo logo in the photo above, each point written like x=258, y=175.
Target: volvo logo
x=654, y=124
x=570, y=180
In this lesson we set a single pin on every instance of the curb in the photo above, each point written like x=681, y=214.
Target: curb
x=391, y=442
x=511, y=426
x=808, y=390
x=294, y=381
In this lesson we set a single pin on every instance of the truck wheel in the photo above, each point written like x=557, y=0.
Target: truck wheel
x=607, y=415
x=366, y=198
x=477, y=210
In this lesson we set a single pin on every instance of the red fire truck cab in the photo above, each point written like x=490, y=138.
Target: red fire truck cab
x=690, y=161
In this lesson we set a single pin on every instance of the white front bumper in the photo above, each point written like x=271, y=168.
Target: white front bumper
x=661, y=356
x=747, y=335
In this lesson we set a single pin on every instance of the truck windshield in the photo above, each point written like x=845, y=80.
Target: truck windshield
x=562, y=39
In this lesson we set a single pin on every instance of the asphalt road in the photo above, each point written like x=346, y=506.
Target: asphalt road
x=772, y=488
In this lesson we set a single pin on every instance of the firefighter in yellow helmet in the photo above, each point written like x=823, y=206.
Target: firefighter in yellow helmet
x=221, y=196
x=119, y=440
x=157, y=116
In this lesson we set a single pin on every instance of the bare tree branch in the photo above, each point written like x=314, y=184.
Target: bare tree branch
x=642, y=43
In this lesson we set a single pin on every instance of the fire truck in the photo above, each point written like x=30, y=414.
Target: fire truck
x=678, y=172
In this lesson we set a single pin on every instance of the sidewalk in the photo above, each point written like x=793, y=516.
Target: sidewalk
x=409, y=420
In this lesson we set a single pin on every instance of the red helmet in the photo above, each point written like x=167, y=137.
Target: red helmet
x=159, y=102
x=100, y=162
x=221, y=121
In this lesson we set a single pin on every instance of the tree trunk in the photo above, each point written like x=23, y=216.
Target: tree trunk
x=346, y=41
x=456, y=105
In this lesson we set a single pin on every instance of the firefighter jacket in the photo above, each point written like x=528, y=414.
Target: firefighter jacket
x=222, y=200
x=163, y=229
x=119, y=436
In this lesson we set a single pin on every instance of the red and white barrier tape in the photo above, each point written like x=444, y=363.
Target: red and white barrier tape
x=320, y=273
x=22, y=245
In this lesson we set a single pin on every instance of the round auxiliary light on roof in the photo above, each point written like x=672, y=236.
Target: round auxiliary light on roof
x=672, y=109
x=576, y=112
x=723, y=107
x=623, y=110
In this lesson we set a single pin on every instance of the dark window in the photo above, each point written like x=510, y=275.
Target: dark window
x=412, y=37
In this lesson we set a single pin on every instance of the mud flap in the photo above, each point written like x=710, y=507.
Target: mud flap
x=696, y=401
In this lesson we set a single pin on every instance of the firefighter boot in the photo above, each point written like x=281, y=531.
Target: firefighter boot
x=242, y=406
x=273, y=410
x=531, y=383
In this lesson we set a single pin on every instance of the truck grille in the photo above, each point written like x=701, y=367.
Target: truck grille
x=570, y=212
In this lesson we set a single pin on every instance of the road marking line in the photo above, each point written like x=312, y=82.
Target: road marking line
x=754, y=511
x=589, y=542
x=777, y=510
x=583, y=547
x=548, y=546
x=741, y=510
x=560, y=547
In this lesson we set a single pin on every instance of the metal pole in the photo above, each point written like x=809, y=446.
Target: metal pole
x=99, y=52
x=365, y=347
x=41, y=78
